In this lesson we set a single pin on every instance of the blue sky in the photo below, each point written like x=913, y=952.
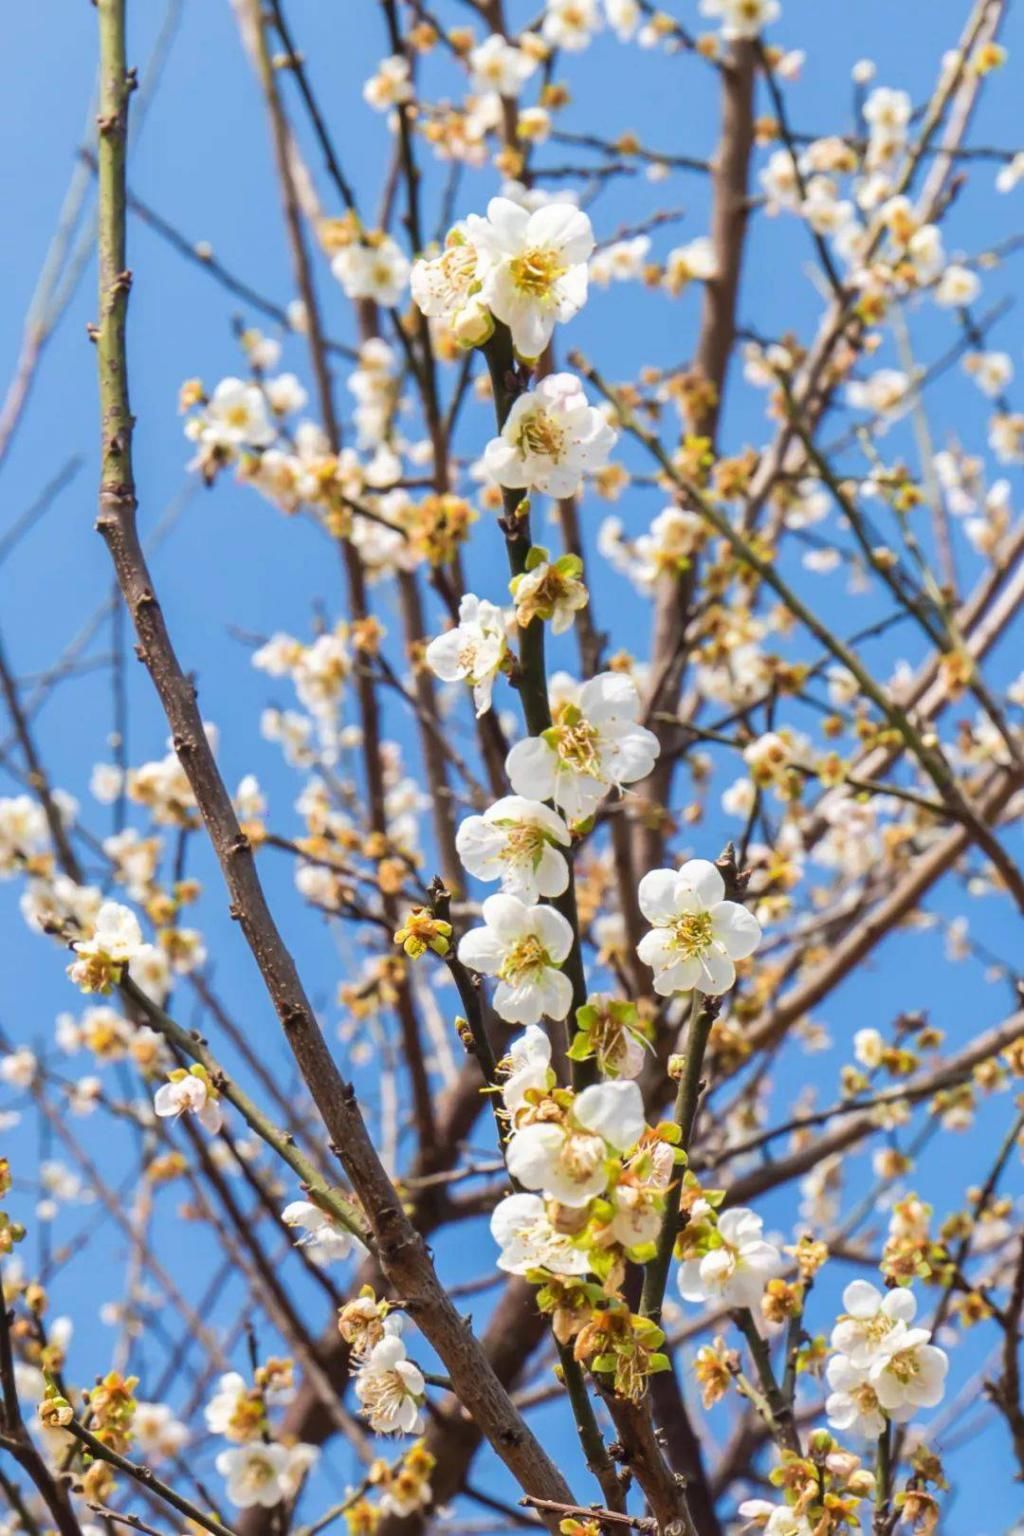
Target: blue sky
x=203, y=163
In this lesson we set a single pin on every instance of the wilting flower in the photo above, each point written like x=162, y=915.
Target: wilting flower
x=697, y=934
x=524, y=947
x=550, y=439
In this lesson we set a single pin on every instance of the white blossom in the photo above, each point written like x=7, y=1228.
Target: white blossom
x=591, y=747
x=550, y=440
x=536, y=267
x=524, y=947
x=522, y=1229
x=473, y=650
x=734, y=1273
x=378, y=271
x=696, y=934
x=518, y=842
x=568, y=1160
x=390, y=1388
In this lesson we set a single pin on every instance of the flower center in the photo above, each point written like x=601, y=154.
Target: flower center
x=237, y=415
x=258, y=1473
x=904, y=1366
x=523, y=844
x=536, y=271
x=577, y=746
x=539, y=435
x=580, y=1155
x=692, y=934
x=523, y=958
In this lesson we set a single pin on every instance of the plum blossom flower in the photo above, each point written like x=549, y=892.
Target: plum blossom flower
x=567, y=1160
x=569, y=24
x=517, y=841
x=390, y=86
x=259, y=1474
x=870, y=1316
x=536, y=267
x=448, y=288
x=498, y=65
x=236, y=417
x=590, y=747
x=524, y=947
x=190, y=1092
x=116, y=941
x=550, y=439
x=885, y=393
x=473, y=651
x=523, y=1231
x=775, y=1519
x=527, y=1066
x=390, y=1388
x=852, y=1404
x=957, y=287
x=742, y=18
x=696, y=934
x=908, y=1372
x=323, y=1238
x=376, y=269
x=735, y=1271
x=693, y=262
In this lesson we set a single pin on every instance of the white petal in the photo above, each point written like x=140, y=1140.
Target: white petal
x=703, y=878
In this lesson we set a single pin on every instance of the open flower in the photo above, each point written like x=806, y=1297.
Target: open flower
x=390, y=1388
x=852, y=1405
x=908, y=1372
x=736, y=1265
x=550, y=439
x=236, y=417
x=536, y=267
x=527, y=1066
x=253, y=1474
x=741, y=18
x=498, y=65
x=116, y=941
x=522, y=1229
x=567, y=1160
x=473, y=651
x=260, y=1474
x=523, y=946
x=190, y=1092
x=696, y=934
x=375, y=269
x=517, y=841
x=323, y=1238
x=447, y=288
x=870, y=1317
x=590, y=747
